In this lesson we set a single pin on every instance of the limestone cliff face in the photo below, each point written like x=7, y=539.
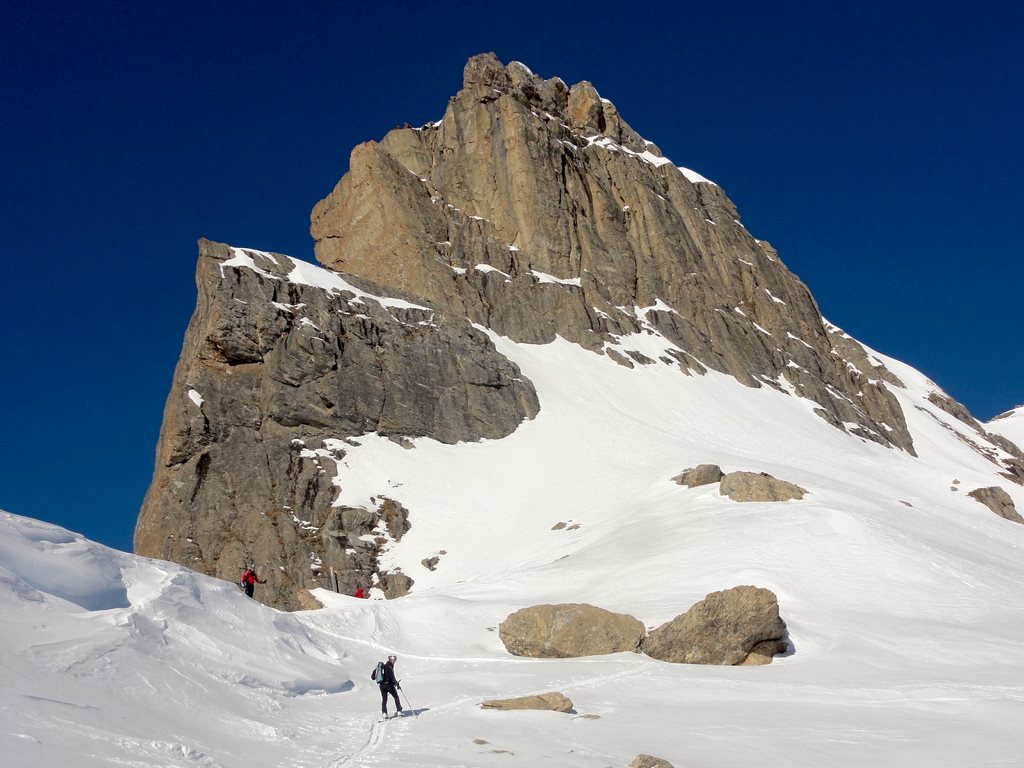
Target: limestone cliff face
x=279, y=367
x=534, y=209
x=530, y=208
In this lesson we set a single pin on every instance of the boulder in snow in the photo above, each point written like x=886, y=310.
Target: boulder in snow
x=702, y=474
x=758, y=486
x=569, y=630
x=553, y=701
x=726, y=627
x=649, y=761
x=999, y=501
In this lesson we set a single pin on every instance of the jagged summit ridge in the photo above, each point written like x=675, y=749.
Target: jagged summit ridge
x=534, y=209
x=580, y=107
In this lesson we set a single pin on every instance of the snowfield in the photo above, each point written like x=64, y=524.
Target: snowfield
x=1009, y=425
x=904, y=600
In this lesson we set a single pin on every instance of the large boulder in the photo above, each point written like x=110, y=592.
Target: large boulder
x=999, y=501
x=569, y=630
x=725, y=627
x=553, y=701
x=758, y=486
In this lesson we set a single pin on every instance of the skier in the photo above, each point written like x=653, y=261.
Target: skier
x=390, y=685
x=249, y=579
x=360, y=593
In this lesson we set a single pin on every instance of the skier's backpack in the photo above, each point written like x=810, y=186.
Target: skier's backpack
x=378, y=673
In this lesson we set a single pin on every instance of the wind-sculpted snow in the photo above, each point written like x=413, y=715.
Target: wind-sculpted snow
x=110, y=657
x=49, y=563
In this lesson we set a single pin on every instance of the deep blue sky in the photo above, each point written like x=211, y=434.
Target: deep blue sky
x=877, y=147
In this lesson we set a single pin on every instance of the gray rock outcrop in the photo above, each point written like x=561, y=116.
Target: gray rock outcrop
x=535, y=209
x=569, y=630
x=999, y=501
x=726, y=627
x=553, y=701
x=276, y=373
x=758, y=486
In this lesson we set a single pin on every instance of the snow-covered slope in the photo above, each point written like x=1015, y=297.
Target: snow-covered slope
x=902, y=596
x=1010, y=425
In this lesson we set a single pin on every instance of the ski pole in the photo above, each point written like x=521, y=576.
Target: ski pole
x=407, y=700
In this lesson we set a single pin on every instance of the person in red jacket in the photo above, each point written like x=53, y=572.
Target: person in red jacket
x=359, y=593
x=249, y=580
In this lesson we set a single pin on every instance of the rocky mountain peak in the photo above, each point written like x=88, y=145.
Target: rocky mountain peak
x=530, y=211
x=534, y=209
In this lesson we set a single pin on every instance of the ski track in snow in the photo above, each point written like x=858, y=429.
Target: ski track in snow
x=378, y=729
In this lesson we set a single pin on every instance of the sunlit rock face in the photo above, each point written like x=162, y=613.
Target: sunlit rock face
x=535, y=210
x=532, y=210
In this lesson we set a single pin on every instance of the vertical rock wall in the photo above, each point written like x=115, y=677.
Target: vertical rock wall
x=275, y=374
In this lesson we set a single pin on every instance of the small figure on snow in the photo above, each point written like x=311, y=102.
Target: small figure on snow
x=359, y=593
x=389, y=684
x=249, y=580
